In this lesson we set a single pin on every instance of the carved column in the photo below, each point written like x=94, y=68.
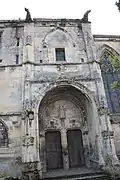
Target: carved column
x=65, y=149
x=30, y=171
x=109, y=152
x=28, y=138
x=103, y=123
x=30, y=157
x=89, y=41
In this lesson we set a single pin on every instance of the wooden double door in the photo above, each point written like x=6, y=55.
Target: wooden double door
x=54, y=156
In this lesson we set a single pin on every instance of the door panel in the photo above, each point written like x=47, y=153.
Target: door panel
x=75, y=148
x=53, y=150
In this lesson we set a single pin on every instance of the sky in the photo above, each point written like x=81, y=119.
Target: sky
x=104, y=16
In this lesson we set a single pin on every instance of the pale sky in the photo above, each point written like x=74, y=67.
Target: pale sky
x=105, y=17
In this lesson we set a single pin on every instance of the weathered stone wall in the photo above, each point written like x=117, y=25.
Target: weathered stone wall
x=10, y=157
x=25, y=84
x=11, y=99
x=48, y=38
x=110, y=42
x=116, y=129
x=11, y=89
x=112, y=45
x=9, y=48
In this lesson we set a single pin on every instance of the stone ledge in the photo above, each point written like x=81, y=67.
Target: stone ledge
x=7, y=153
x=11, y=114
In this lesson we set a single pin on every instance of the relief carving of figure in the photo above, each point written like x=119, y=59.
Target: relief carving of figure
x=28, y=40
x=62, y=113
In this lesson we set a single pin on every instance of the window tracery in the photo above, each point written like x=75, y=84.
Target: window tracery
x=110, y=75
x=3, y=135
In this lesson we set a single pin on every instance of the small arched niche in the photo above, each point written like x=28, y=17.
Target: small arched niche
x=110, y=75
x=58, y=38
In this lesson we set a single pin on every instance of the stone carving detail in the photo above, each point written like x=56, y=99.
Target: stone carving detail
x=30, y=171
x=102, y=106
x=28, y=141
x=26, y=103
x=28, y=116
x=62, y=113
x=3, y=135
x=33, y=102
x=102, y=111
x=30, y=166
x=53, y=123
x=16, y=123
x=28, y=40
x=114, y=119
x=61, y=68
x=28, y=16
x=85, y=17
x=106, y=134
x=102, y=101
x=118, y=5
x=18, y=159
x=94, y=150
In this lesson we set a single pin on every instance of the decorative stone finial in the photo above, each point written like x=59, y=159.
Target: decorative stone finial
x=28, y=16
x=85, y=17
x=118, y=5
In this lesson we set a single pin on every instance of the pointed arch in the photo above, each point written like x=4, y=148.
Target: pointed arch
x=3, y=134
x=107, y=49
x=60, y=29
x=110, y=75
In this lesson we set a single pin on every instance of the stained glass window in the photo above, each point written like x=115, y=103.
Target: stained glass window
x=3, y=135
x=110, y=75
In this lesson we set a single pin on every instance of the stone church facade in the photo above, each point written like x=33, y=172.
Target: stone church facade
x=58, y=111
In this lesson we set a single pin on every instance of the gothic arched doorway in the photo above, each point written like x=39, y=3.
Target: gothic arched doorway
x=64, y=129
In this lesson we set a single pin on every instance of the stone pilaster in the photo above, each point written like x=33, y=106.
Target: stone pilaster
x=89, y=41
x=107, y=134
x=30, y=156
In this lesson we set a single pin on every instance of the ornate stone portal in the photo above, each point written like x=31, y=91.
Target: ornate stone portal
x=55, y=108
x=70, y=131
x=58, y=117
x=64, y=111
x=64, y=120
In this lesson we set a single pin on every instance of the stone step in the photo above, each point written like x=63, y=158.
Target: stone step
x=92, y=177
x=79, y=174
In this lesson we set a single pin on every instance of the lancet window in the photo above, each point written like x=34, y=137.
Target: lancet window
x=3, y=135
x=110, y=75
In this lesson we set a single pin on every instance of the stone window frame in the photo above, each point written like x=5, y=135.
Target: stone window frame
x=60, y=54
x=110, y=75
x=1, y=33
x=4, y=134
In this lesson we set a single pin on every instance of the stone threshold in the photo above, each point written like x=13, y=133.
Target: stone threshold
x=74, y=174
